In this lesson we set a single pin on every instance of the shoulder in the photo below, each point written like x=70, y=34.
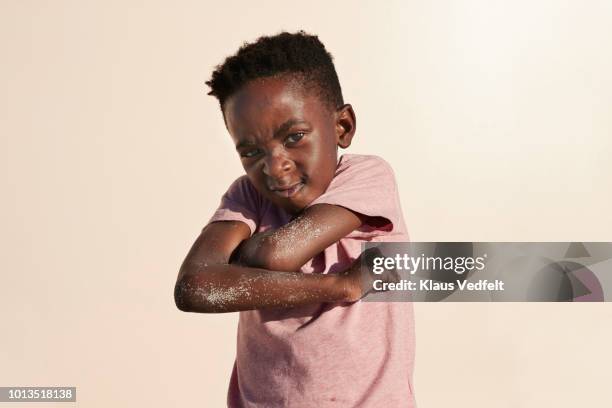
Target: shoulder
x=361, y=163
x=363, y=160
x=242, y=191
x=241, y=185
x=364, y=172
x=244, y=199
x=365, y=184
x=241, y=202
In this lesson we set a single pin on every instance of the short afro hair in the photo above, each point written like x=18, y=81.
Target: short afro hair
x=299, y=55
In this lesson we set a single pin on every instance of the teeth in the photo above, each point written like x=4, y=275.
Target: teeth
x=289, y=191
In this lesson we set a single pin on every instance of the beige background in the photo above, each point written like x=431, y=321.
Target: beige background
x=496, y=116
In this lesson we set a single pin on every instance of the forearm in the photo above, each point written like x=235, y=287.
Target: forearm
x=262, y=251
x=232, y=288
x=292, y=245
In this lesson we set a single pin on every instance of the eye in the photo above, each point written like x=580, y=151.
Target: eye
x=293, y=138
x=250, y=153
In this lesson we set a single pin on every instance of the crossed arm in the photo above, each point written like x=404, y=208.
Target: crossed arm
x=226, y=271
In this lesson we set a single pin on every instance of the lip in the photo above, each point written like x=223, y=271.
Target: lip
x=290, y=191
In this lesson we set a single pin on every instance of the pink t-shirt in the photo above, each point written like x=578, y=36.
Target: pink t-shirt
x=357, y=354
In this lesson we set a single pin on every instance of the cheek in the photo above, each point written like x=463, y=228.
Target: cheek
x=325, y=147
x=327, y=154
x=323, y=164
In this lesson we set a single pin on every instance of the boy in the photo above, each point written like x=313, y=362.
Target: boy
x=284, y=246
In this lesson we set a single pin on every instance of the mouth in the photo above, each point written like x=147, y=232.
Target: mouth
x=290, y=191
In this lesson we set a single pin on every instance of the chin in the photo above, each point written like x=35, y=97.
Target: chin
x=297, y=204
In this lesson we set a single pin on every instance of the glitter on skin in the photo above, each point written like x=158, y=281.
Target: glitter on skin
x=300, y=229
x=221, y=297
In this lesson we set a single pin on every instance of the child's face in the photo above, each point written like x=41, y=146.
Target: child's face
x=287, y=139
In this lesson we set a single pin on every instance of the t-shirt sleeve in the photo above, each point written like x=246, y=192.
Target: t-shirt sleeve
x=366, y=186
x=241, y=202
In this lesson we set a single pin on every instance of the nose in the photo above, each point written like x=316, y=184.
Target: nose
x=278, y=166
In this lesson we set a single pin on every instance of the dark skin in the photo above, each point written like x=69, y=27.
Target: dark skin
x=287, y=140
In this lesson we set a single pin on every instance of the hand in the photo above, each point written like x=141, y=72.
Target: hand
x=359, y=277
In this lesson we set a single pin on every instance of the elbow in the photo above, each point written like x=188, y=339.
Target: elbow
x=185, y=292
x=191, y=296
x=181, y=299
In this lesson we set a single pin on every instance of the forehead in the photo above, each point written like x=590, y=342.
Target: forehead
x=263, y=104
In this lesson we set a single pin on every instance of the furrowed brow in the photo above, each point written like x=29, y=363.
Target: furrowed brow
x=287, y=125
x=244, y=143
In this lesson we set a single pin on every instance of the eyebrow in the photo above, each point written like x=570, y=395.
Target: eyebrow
x=287, y=125
x=281, y=129
x=244, y=143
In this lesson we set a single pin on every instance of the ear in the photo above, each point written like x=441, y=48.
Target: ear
x=346, y=125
